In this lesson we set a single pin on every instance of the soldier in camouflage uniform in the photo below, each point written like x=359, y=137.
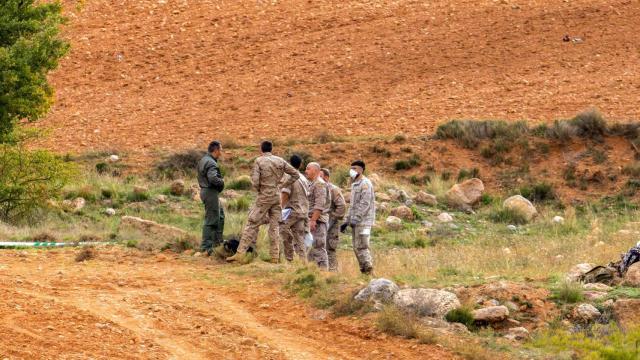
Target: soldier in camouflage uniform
x=319, y=207
x=361, y=216
x=292, y=229
x=211, y=185
x=266, y=176
x=336, y=214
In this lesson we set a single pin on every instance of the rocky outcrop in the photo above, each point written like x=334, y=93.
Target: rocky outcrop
x=394, y=223
x=465, y=195
x=379, y=290
x=403, y=212
x=426, y=302
x=422, y=198
x=491, y=314
x=585, y=313
x=632, y=276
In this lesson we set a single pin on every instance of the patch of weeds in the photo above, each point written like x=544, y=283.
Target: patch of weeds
x=240, y=183
x=340, y=176
x=406, y=149
x=400, y=138
x=568, y=292
x=308, y=283
x=599, y=156
x=325, y=137
x=419, y=180
x=44, y=237
x=131, y=243
x=393, y=321
x=569, y=174
x=469, y=133
x=543, y=148
x=180, y=164
x=348, y=306
x=381, y=150
x=486, y=199
x=625, y=293
x=468, y=174
x=137, y=196
x=407, y=164
x=239, y=204
x=539, y=192
x=632, y=170
x=445, y=175
x=86, y=253
x=507, y=216
x=461, y=315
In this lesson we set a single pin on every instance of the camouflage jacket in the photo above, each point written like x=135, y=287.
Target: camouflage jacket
x=320, y=199
x=363, y=206
x=267, y=175
x=298, y=195
x=338, y=205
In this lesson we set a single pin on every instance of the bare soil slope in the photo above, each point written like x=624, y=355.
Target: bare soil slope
x=125, y=306
x=168, y=74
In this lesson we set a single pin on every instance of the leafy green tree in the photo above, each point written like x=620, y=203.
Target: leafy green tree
x=30, y=47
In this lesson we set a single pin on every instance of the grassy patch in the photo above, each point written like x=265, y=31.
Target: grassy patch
x=507, y=216
x=242, y=203
x=539, y=192
x=240, y=183
x=461, y=315
x=179, y=164
x=407, y=164
x=568, y=292
x=599, y=342
x=392, y=320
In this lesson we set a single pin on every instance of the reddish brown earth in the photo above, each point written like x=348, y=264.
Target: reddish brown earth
x=152, y=75
x=130, y=305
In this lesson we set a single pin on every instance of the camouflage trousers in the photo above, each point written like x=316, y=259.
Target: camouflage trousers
x=261, y=213
x=361, y=248
x=318, y=251
x=333, y=240
x=292, y=233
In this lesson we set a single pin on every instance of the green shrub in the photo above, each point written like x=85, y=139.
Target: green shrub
x=539, y=192
x=400, y=138
x=568, y=292
x=28, y=179
x=381, y=150
x=340, y=176
x=507, y=216
x=468, y=174
x=180, y=164
x=240, y=183
x=102, y=168
x=461, y=315
x=407, y=164
x=469, y=133
x=590, y=124
x=239, y=204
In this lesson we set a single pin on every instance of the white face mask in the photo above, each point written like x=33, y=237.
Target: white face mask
x=353, y=173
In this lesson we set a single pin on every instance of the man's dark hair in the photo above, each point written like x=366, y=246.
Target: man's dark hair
x=358, y=163
x=266, y=146
x=214, y=145
x=295, y=161
x=326, y=172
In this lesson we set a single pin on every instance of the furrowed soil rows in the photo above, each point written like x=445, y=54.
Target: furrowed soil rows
x=157, y=75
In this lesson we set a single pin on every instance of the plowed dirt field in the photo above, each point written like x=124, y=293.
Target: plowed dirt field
x=151, y=75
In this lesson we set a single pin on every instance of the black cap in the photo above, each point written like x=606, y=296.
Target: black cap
x=358, y=163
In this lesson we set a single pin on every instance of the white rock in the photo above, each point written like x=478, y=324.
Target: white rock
x=110, y=211
x=491, y=314
x=161, y=198
x=517, y=333
x=506, y=251
x=519, y=204
x=378, y=290
x=445, y=217
x=426, y=302
x=557, y=220
x=512, y=228
x=114, y=158
x=586, y=312
x=394, y=222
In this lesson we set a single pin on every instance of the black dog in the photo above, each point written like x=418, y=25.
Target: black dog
x=231, y=246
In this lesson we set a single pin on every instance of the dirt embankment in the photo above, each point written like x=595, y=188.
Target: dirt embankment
x=150, y=75
x=129, y=306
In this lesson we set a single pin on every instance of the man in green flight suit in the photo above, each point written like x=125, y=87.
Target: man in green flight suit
x=211, y=185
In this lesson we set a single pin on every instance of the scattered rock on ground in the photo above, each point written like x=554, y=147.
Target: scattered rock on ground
x=177, y=188
x=161, y=198
x=140, y=190
x=398, y=195
x=380, y=196
x=74, y=205
x=491, y=314
x=517, y=333
x=512, y=227
x=379, y=290
x=558, y=220
x=113, y=158
x=594, y=295
x=577, y=271
x=152, y=227
x=422, y=198
x=521, y=205
x=632, y=276
x=110, y=211
x=585, y=313
x=394, y=222
x=466, y=194
x=445, y=217
x=403, y=212
x=426, y=302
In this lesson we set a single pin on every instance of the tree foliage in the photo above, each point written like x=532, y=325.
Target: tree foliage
x=28, y=179
x=30, y=47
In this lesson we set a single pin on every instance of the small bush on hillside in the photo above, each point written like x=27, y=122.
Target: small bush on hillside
x=400, y=138
x=461, y=315
x=507, y=216
x=392, y=320
x=568, y=292
x=325, y=137
x=340, y=176
x=348, y=306
x=28, y=179
x=407, y=164
x=86, y=253
x=469, y=133
x=240, y=183
x=590, y=124
x=539, y=192
x=180, y=164
x=239, y=204
x=468, y=174
x=381, y=150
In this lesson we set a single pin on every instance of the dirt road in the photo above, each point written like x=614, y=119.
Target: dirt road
x=128, y=305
